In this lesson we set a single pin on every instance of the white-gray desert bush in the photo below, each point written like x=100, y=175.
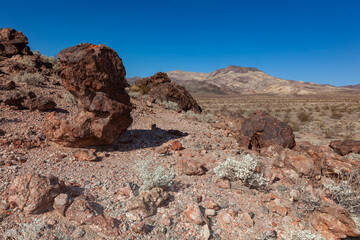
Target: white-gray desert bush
x=171, y=105
x=70, y=98
x=29, y=78
x=293, y=233
x=27, y=61
x=241, y=167
x=153, y=176
x=55, y=63
x=345, y=189
x=133, y=94
x=203, y=117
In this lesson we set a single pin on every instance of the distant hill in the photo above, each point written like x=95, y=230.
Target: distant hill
x=132, y=80
x=353, y=86
x=248, y=80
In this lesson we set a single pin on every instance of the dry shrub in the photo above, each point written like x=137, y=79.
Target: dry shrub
x=27, y=61
x=345, y=190
x=331, y=131
x=304, y=116
x=152, y=176
x=336, y=115
x=29, y=78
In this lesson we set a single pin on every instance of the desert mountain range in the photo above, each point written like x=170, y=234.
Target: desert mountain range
x=247, y=80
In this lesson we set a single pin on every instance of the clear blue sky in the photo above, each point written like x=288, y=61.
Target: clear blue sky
x=308, y=40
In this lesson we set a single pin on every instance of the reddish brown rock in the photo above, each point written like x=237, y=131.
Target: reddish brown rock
x=223, y=183
x=27, y=100
x=176, y=145
x=95, y=75
x=346, y=146
x=161, y=87
x=189, y=167
x=334, y=222
x=193, y=213
x=82, y=212
x=34, y=193
x=39, y=103
x=262, y=130
x=60, y=203
x=17, y=98
x=146, y=204
x=13, y=42
x=85, y=155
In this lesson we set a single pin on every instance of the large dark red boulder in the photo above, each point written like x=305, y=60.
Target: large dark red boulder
x=346, y=146
x=161, y=87
x=13, y=42
x=95, y=75
x=262, y=130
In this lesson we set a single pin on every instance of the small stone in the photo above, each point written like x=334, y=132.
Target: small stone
x=224, y=204
x=78, y=233
x=163, y=150
x=282, y=188
x=51, y=222
x=210, y=204
x=264, y=209
x=232, y=212
x=176, y=145
x=60, y=203
x=85, y=155
x=223, y=183
x=193, y=213
x=166, y=221
x=280, y=210
x=247, y=219
x=206, y=232
x=210, y=212
x=138, y=227
x=189, y=167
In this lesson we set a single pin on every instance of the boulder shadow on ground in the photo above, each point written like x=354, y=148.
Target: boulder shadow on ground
x=141, y=138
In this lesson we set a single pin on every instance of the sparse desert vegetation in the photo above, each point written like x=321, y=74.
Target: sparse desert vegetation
x=311, y=117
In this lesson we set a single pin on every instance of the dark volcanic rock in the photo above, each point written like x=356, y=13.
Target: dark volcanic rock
x=27, y=100
x=346, y=146
x=262, y=130
x=96, y=76
x=13, y=42
x=39, y=103
x=16, y=98
x=164, y=89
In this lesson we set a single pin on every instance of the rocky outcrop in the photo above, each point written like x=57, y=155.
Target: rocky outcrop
x=346, y=146
x=262, y=130
x=13, y=42
x=19, y=64
x=95, y=75
x=27, y=100
x=161, y=87
x=33, y=193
